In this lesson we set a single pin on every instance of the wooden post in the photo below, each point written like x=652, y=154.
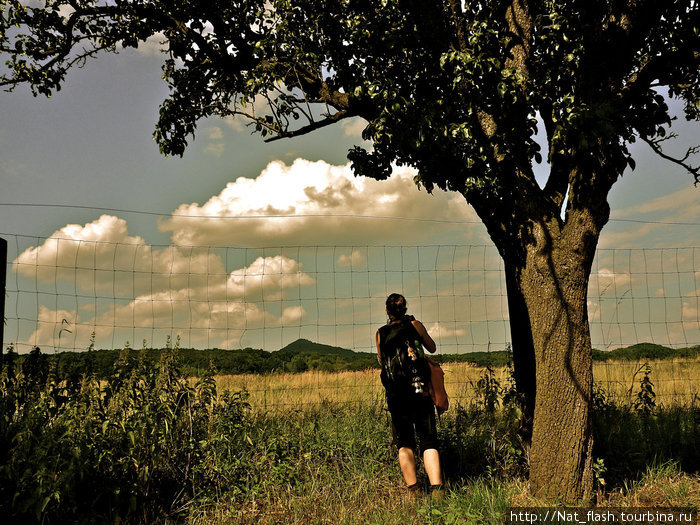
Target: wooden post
x=3, y=276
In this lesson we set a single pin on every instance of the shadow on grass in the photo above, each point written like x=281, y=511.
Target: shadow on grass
x=477, y=443
x=629, y=441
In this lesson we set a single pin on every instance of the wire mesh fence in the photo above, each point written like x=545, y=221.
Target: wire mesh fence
x=65, y=294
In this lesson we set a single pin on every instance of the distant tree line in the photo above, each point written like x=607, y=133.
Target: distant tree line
x=300, y=356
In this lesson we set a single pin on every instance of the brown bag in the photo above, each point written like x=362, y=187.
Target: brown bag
x=437, y=386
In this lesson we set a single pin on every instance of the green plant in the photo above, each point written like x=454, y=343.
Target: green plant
x=488, y=390
x=646, y=398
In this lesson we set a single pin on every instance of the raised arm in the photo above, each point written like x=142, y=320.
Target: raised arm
x=425, y=336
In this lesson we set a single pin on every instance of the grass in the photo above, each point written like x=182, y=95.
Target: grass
x=339, y=468
x=676, y=383
x=348, y=474
x=148, y=446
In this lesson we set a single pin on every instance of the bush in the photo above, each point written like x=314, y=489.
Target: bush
x=138, y=448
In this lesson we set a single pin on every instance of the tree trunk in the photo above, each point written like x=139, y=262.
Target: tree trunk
x=524, y=370
x=554, y=283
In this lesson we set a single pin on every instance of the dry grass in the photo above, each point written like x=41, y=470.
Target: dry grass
x=676, y=383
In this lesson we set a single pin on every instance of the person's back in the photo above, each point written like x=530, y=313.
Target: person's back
x=405, y=372
x=408, y=398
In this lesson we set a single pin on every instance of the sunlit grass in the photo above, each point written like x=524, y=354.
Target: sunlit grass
x=676, y=383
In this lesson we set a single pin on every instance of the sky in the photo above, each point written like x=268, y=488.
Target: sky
x=130, y=245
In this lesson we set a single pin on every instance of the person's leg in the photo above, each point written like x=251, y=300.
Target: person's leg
x=427, y=437
x=407, y=461
x=405, y=440
x=431, y=460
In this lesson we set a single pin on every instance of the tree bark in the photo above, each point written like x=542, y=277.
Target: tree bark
x=554, y=285
x=524, y=369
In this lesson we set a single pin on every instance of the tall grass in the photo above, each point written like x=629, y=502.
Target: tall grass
x=676, y=383
x=148, y=445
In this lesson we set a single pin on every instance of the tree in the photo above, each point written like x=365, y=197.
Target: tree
x=453, y=90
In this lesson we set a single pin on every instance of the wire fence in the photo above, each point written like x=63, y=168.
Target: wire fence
x=64, y=294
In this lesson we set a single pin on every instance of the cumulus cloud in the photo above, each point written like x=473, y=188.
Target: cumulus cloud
x=311, y=203
x=50, y=328
x=438, y=331
x=354, y=259
x=124, y=285
x=101, y=244
x=215, y=146
x=154, y=45
x=691, y=312
x=605, y=281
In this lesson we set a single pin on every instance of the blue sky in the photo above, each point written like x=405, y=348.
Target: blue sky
x=90, y=145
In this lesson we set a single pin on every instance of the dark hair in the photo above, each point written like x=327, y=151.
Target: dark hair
x=396, y=305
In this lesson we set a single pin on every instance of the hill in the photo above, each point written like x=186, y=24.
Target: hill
x=304, y=346
x=644, y=351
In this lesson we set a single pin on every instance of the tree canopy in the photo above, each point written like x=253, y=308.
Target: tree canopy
x=453, y=90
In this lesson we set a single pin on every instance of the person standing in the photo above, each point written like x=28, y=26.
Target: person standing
x=405, y=376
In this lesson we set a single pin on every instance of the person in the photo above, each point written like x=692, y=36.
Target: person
x=412, y=409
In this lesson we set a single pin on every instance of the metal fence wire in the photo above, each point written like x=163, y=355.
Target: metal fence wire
x=62, y=293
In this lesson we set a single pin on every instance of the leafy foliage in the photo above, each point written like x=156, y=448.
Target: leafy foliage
x=137, y=448
x=646, y=398
x=451, y=89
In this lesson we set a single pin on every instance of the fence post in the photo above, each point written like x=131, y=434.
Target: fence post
x=3, y=276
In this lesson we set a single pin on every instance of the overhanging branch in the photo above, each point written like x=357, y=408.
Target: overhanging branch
x=327, y=121
x=694, y=170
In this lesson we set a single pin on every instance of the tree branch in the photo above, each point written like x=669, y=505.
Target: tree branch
x=694, y=170
x=313, y=126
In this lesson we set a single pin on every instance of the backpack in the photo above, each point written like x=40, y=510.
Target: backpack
x=406, y=370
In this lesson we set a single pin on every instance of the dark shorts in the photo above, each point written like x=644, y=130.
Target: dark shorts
x=411, y=418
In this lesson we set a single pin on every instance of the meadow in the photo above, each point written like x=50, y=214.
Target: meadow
x=676, y=383
x=149, y=444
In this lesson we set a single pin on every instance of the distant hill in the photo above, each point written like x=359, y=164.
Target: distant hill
x=304, y=346
x=642, y=351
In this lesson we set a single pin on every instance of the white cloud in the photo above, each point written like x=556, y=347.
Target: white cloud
x=50, y=329
x=215, y=148
x=606, y=282
x=593, y=311
x=123, y=286
x=353, y=127
x=438, y=331
x=292, y=315
x=309, y=203
x=681, y=207
x=215, y=133
x=235, y=123
x=355, y=259
x=101, y=244
x=154, y=45
x=691, y=312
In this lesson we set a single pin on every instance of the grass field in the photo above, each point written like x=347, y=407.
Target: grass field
x=676, y=382
x=150, y=445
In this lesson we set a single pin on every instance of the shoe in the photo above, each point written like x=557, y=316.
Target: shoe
x=436, y=492
x=414, y=491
